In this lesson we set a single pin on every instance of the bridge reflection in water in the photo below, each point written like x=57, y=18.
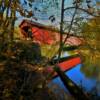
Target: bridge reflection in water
x=78, y=77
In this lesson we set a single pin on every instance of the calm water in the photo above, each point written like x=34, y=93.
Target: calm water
x=75, y=74
x=79, y=78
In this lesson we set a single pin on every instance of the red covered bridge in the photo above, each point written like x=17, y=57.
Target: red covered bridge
x=45, y=34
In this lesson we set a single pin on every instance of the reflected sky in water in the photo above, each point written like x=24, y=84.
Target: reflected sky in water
x=78, y=77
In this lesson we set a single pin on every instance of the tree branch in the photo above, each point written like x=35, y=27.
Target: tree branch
x=61, y=30
x=84, y=10
x=68, y=34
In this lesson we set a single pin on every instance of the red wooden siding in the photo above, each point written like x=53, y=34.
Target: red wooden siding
x=65, y=66
x=46, y=35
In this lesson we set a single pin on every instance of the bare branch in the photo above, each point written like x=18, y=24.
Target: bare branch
x=68, y=34
x=61, y=30
x=84, y=10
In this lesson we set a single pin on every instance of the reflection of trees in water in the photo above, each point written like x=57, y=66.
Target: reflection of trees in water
x=59, y=92
x=90, y=51
x=95, y=92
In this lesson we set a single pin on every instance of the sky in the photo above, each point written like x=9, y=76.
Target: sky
x=47, y=11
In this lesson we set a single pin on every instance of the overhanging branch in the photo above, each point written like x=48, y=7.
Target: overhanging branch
x=84, y=10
